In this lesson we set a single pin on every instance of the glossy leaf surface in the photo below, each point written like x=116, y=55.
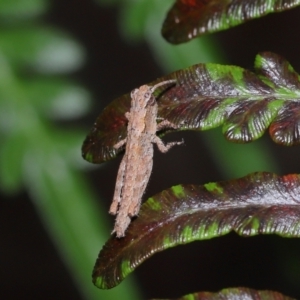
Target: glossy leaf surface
x=188, y=19
x=233, y=294
x=209, y=95
x=260, y=203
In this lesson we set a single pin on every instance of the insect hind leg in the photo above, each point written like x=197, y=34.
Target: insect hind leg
x=118, y=189
x=162, y=147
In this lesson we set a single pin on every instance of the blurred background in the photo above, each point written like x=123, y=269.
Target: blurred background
x=61, y=63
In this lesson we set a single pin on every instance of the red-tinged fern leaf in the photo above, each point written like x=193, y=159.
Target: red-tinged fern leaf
x=209, y=95
x=188, y=19
x=260, y=203
x=234, y=294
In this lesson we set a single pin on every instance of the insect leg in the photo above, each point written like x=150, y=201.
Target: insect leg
x=120, y=144
x=127, y=115
x=166, y=124
x=118, y=189
x=162, y=147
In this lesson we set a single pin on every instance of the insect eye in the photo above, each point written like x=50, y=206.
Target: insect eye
x=147, y=95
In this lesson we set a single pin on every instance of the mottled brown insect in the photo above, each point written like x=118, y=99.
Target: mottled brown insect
x=136, y=166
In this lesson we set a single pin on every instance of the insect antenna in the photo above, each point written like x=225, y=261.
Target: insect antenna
x=153, y=88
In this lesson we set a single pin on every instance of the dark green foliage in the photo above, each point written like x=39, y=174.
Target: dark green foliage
x=38, y=156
